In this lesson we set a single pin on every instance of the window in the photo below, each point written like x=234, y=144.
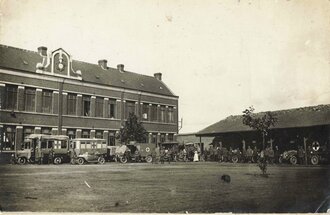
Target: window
x=11, y=97
x=99, y=107
x=43, y=144
x=154, y=138
x=85, y=134
x=145, y=111
x=162, y=138
x=83, y=145
x=130, y=108
x=45, y=131
x=71, y=134
x=153, y=116
x=111, y=140
x=8, y=142
x=30, y=99
x=64, y=144
x=86, y=105
x=170, y=115
x=72, y=98
x=47, y=101
x=112, y=108
x=99, y=134
x=50, y=144
x=162, y=114
x=170, y=137
x=27, y=131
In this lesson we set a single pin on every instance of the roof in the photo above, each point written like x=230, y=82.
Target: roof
x=26, y=61
x=291, y=118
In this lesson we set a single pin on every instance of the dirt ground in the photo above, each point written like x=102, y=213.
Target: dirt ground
x=178, y=187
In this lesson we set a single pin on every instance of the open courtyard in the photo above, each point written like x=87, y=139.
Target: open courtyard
x=175, y=188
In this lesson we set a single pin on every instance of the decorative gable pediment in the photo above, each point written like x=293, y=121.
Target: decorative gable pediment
x=58, y=63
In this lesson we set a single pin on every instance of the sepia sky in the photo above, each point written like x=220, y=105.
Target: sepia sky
x=219, y=57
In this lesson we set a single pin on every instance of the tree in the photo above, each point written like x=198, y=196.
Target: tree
x=132, y=131
x=261, y=123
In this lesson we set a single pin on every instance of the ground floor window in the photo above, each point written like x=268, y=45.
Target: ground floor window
x=99, y=134
x=8, y=141
x=111, y=139
x=85, y=134
x=71, y=133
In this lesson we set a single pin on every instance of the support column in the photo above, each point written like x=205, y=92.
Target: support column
x=149, y=112
x=175, y=115
x=166, y=137
x=158, y=138
x=37, y=130
x=92, y=134
x=65, y=103
x=106, y=136
x=20, y=98
x=1, y=137
x=243, y=145
x=123, y=109
x=78, y=133
x=166, y=114
x=93, y=99
x=141, y=111
x=2, y=96
x=305, y=148
x=55, y=102
x=106, y=108
x=38, y=100
x=18, y=137
x=79, y=105
x=150, y=138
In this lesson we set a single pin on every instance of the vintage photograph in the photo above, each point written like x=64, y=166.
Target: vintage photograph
x=165, y=106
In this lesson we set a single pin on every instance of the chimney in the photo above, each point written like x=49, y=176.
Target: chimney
x=158, y=76
x=42, y=50
x=120, y=67
x=103, y=64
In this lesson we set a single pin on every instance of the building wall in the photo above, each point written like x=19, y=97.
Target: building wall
x=191, y=138
x=19, y=121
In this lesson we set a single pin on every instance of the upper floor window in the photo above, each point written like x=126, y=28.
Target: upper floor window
x=11, y=97
x=162, y=114
x=86, y=105
x=112, y=108
x=130, y=108
x=30, y=99
x=99, y=107
x=72, y=99
x=47, y=101
x=145, y=111
x=170, y=115
x=162, y=138
x=153, y=114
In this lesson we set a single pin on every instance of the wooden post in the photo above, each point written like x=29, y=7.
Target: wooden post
x=305, y=148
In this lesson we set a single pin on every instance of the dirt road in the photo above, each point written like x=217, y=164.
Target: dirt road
x=178, y=187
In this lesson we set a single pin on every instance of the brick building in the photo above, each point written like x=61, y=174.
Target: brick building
x=49, y=93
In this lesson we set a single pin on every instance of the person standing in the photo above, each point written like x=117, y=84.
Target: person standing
x=196, y=156
x=249, y=154
x=255, y=154
x=301, y=155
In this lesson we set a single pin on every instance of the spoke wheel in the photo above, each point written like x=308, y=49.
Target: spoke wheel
x=234, y=159
x=81, y=161
x=57, y=160
x=149, y=159
x=123, y=159
x=21, y=161
x=293, y=160
x=101, y=160
x=315, y=160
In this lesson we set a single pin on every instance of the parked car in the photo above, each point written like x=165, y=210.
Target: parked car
x=135, y=152
x=86, y=150
x=289, y=156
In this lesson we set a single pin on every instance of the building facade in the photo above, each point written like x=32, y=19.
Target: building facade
x=49, y=93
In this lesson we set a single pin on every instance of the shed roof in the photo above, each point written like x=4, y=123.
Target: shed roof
x=26, y=61
x=290, y=118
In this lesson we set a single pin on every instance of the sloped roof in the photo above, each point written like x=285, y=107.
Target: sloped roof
x=291, y=118
x=26, y=61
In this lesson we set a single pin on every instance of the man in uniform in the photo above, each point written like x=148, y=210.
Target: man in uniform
x=249, y=154
x=301, y=155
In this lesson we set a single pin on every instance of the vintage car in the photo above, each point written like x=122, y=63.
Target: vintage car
x=172, y=148
x=42, y=148
x=289, y=156
x=135, y=152
x=318, y=154
x=88, y=150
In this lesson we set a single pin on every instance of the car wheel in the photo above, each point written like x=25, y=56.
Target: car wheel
x=315, y=160
x=21, y=161
x=101, y=160
x=57, y=160
x=293, y=160
x=123, y=159
x=149, y=159
x=234, y=159
x=81, y=161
